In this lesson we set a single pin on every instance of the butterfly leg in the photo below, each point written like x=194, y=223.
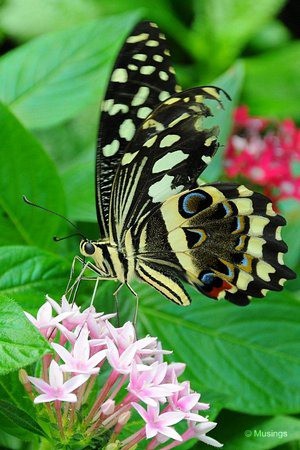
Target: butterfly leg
x=72, y=290
x=136, y=309
x=117, y=302
x=95, y=291
x=85, y=265
x=75, y=259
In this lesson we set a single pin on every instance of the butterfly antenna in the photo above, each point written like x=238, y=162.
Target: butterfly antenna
x=55, y=214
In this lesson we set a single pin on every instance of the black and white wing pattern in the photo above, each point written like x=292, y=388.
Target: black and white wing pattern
x=166, y=156
x=142, y=78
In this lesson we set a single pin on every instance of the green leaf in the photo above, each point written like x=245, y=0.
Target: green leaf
x=80, y=194
x=20, y=343
x=222, y=29
x=272, y=83
x=240, y=353
x=12, y=391
x=16, y=417
x=231, y=81
x=273, y=35
x=25, y=168
x=260, y=433
x=73, y=146
x=7, y=441
x=24, y=20
x=27, y=274
x=51, y=78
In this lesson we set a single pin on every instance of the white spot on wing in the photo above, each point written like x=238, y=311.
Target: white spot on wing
x=128, y=157
x=163, y=75
x=152, y=43
x=161, y=190
x=264, y=270
x=107, y=104
x=243, y=280
x=138, y=38
x=206, y=159
x=158, y=58
x=127, y=129
x=150, y=141
x=209, y=140
x=111, y=149
x=169, y=140
x=163, y=95
x=172, y=100
x=132, y=67
x=141, y=96
x=140, y=57
x=147, y=70
x=169, y=161
x=118, y=107
x=179, y=119
x=119, y=76
x=144, y=112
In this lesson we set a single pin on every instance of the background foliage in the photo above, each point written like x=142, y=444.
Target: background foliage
x=56, y=58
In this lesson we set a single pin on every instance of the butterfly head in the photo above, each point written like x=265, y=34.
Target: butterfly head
x=97, y=251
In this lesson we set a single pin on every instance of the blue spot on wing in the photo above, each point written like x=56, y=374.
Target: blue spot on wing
x=187, y=199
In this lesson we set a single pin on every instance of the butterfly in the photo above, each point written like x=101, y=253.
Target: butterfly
x=156, y=222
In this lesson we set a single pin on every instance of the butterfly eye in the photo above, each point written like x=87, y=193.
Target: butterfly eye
x=89, y=248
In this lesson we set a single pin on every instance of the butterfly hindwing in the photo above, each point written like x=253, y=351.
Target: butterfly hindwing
x=223, y=239
x=167, y=154
x=142, y=77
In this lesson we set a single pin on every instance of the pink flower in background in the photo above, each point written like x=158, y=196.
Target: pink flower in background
x=265, y=151
x=134, y=380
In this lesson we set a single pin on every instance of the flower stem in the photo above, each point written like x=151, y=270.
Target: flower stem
x=134, y=439
x=57, y=404
x=105, y=390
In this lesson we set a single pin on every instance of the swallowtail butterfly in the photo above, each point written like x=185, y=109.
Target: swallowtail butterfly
x=156, y=222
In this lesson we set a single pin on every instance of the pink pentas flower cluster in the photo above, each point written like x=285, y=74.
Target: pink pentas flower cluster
x=135, y=382
x=265, y=151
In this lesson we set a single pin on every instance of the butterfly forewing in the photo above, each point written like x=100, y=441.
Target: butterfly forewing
x=169, y=151
x=141, y=78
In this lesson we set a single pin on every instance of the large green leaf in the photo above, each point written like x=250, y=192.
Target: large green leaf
x=24, y=20
x=249, y=355
x=272, y=83
x=25, y=168
x=80, y=194
x=18, y=422
x=51, y=78
x=20, y=343
x=27, y=274
x=222, y=29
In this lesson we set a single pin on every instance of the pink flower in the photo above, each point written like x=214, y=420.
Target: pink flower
x=120, y=361
x=159, y=423
x=146, y=383
x=44, y=321
x=56, y=389
x=78, y=360
x=75, y=317
x=264, y=151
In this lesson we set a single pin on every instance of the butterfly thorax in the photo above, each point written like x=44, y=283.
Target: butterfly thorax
x=109, y=260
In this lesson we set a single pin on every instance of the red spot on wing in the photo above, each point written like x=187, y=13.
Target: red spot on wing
x=216, y=290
